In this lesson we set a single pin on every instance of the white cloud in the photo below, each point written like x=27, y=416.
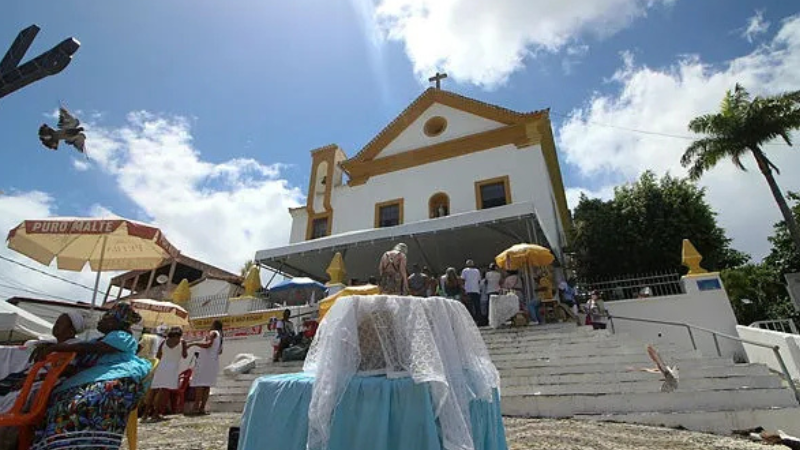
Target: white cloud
x=80, y=165
x=574, y=194
x=572, y=58
x=101, y=211
x=483, y=42
x=221, y=213
x=16, y=280
x=756, y=25
x=218, y=212
x=663, y=100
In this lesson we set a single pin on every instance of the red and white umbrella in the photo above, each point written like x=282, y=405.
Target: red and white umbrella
x=156, y=313
x=105, y=244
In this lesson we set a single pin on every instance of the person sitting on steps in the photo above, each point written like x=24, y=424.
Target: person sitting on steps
x=286, y=335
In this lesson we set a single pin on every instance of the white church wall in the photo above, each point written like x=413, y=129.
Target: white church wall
x=210, y=287
x=299, y=222
x=708, y=309
x=459, y=124
x=788, y=343
x=354, y=207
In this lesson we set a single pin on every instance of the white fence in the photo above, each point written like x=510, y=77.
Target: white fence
x=704, y=304
x=655, y=284
x=781, y=325
x=788, y=343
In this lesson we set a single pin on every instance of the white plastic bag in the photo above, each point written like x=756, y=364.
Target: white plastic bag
x=243, y=363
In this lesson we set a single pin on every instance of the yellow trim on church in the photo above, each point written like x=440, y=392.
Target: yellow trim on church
x=520, y=129
x=479, y=184
x=400, y=202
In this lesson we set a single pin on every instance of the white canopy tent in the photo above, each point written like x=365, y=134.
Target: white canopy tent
x=436, y=243
x=18, y=325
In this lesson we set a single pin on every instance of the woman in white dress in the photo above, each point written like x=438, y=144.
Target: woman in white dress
x=170, y=353
x=207, y=367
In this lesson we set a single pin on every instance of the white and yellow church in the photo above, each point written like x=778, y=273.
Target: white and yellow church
x=452, y=177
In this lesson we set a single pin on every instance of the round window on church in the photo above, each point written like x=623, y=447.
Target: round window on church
x=435, y=126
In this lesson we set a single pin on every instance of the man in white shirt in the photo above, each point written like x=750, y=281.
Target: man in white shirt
x=472, y=286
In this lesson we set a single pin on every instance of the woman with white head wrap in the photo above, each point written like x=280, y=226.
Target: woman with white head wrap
x=65, y=329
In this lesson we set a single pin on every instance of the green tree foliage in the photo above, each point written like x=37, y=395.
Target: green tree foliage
x=756, y=293
x=741, y=128
x=763, y=284
x=642, y=229
x=783, y=257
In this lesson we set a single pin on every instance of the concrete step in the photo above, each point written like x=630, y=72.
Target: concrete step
x=577, y=336
x=584, y=347
x=277, y=368
x=718, y=422
x=547, y=343
x=712, y=400
x=640, y=386
x=226, y=406
x=559, y=353
x=534, y=329
x=686, y=373
x=653, y=384
x=532, y=369
x=542, y=344
x=616, y=361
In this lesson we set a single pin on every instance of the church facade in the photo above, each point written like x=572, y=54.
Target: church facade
x=445, y=164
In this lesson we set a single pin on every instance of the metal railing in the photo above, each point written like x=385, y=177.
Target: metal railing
x=780, y=325
x=260, y=304
x=208, y=306
x=655, y=284
x=776, y=349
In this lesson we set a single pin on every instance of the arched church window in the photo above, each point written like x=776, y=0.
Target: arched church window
x=439, y=205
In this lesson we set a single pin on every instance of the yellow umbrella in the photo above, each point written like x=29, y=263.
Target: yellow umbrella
x=253, y=282
x=182, y=293
x=326, y=303
x=521, y=255
x=155, y=313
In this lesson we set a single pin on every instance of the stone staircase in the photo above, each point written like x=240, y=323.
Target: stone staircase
x=230, y=393
x=561, y=370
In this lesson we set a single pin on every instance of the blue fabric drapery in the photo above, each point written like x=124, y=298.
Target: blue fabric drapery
x=376, y=413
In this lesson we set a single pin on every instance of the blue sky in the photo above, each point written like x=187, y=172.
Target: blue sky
x=269, y=81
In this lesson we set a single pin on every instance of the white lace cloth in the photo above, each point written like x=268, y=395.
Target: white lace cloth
x=502, y=308
x=432, y=340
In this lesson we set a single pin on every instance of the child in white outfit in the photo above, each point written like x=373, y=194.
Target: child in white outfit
x=170, y=353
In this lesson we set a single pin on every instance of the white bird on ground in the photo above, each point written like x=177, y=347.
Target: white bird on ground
x=670, y=373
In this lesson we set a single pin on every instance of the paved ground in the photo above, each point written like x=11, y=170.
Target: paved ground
x=211, y=432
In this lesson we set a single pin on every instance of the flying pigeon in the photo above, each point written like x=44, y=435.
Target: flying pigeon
x=69, y=130
x=670, y=373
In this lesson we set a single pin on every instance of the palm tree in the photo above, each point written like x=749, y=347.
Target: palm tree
x=744, y=126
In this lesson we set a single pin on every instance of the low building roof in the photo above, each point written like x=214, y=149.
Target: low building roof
x=82, y=305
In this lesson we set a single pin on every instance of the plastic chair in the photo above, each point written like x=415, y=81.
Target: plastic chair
x=178, y=396
x=27, y=420
x=132, y=427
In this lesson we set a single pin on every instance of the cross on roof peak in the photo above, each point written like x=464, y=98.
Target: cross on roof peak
x=438, y=79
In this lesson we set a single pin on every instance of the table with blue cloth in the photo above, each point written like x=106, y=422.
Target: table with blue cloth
x=375, y=413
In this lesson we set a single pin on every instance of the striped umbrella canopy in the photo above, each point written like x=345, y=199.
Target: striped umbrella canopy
x=105, y=244
x=156, y=313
